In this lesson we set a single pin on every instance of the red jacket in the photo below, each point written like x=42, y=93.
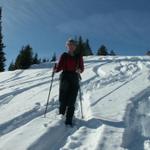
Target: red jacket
x=70, y=63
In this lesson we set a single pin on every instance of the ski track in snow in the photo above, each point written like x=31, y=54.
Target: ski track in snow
x=92, y=133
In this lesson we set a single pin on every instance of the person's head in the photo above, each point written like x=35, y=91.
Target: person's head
x=71, y=45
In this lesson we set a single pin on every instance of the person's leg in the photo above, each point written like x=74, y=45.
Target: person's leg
x=72, y=95
x=62, y=108
x=63, y=90
x=69, y=115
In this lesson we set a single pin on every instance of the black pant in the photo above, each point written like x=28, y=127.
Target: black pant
x=69, y=86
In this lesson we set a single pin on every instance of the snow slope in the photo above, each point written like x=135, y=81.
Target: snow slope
x=116, y=102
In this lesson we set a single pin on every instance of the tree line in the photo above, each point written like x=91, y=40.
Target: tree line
x=26, y=58
x=84, y=48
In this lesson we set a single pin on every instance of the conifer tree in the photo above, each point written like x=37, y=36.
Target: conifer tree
x=25, y=58
x=83, y=48
x=2, y=54
x=148, y=53
x=112, y=53
x=44, y=60
x=36, y=59
x=87, y=49
x=80, y=47
x=102, y=51
x=18, y=61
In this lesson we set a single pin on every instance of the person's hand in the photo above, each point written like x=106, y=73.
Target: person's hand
x=54, y=70
x=78, y=70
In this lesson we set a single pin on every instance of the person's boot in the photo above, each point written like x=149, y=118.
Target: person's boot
x=68, y=122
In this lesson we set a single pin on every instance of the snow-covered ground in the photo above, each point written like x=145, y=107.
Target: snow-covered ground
x=116, y=102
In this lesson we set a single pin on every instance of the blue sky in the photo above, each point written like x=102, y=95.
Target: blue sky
x=121, y=25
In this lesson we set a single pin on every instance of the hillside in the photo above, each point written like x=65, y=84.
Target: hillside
x=116, y=102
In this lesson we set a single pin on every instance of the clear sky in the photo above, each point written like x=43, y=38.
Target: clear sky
x=121, y=25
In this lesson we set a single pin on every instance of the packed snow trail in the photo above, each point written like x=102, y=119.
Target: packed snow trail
x=115, y=96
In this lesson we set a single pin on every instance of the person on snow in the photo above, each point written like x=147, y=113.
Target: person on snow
x=71, y=65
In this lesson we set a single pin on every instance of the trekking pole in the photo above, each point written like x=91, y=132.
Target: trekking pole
x=80, y=96
x=50, y=88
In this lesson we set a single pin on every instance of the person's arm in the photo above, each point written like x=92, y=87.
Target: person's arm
x=81, y=65
x=60, y=64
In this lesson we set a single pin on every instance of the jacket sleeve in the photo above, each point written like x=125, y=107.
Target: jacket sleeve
x=81, y=64
x=60, y=64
